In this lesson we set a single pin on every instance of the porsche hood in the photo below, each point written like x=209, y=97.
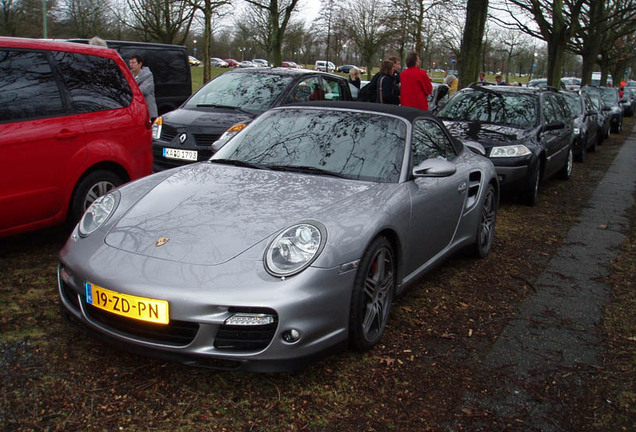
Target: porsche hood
x=208, y=213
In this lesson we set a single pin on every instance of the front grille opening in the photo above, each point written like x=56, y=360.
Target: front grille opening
x=246, y=337
x=70, y=295
x=176, y=333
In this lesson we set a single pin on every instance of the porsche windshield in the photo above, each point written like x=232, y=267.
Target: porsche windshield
x=512, y=109
x=252, y=92
x=349, y=144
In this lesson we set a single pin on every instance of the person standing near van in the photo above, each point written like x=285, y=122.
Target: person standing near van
x=145, y=81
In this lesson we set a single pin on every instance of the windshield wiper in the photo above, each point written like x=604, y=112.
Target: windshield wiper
x=240, y=163
x=223, y=107
x=307, y=170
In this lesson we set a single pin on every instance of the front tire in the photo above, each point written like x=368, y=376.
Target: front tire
x=566, y=171
x=529, y=197
x=88, y=189
x=486, y=228
x=372, y=295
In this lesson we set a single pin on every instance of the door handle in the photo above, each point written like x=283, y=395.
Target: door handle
x=66, y=134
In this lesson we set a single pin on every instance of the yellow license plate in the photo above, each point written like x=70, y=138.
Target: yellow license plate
x=139, y=308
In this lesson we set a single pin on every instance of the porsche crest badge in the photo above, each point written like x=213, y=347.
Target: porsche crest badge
x=161, y=241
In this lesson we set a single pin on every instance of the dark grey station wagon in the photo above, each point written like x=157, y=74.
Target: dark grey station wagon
x=232, y=100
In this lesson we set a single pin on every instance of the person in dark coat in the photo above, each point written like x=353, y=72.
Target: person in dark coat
x=387, y=91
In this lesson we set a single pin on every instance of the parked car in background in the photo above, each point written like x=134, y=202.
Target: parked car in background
x=432, y=105
x=543, y=83
x=527, y=132
x=74, y=125
x=217, y=62
x=628, y=101
x=596, y=79
x=194, y=61
x=169, y=65
x=234, y=99
x=611, y=100
x=571, y=83
x=347, y=68
x=231, y=63
x=292, y=240
x=260, y=62
x=585, y=118
x=246, y=64
x=604, y=128
x=290, y=64
x=324, y=66
x=631, y=84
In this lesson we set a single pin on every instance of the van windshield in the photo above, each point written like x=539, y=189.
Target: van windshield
x=252, y=92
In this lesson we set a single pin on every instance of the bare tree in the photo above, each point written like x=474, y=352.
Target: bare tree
x=9, y=17
x=469, y=64
x=604, y=23
x=166, y=21
x=557, y=21
x=85, y=18
x=209, y=9
x=279, y=14
x=369, y=30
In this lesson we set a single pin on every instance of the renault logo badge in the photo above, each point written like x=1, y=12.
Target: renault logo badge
x=161, y=241
x=182, y=138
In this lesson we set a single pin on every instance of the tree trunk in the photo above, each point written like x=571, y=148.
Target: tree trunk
x=469, y=60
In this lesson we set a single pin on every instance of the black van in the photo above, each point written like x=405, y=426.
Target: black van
x=169, y=65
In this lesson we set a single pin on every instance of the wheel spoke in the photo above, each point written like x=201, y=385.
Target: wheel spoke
x=370, y=317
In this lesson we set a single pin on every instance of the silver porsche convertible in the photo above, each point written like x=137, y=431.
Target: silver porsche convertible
x=292, y=240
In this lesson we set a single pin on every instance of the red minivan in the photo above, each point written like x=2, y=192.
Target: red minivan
x=73, y=125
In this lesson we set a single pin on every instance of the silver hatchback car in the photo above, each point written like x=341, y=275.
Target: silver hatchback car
x=291, y=240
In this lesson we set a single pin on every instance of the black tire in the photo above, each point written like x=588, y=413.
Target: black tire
x=582, y=154
x=486, y=228
x=372, y=295
x=594, y=146
x=618, y=128
x=529, y=197
x=566, y=171
x=88, y=189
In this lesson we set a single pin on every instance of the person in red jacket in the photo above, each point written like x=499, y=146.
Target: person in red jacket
x=415, y=84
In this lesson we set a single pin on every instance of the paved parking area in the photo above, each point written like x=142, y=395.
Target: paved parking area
x=556, y=335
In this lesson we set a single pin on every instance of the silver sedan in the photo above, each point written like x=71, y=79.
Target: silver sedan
x=291, y=240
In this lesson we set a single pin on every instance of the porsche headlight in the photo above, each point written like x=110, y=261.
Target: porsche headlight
x=156, y=128
x=294, y=249
x=98, y=213
x=510, y=151
x=616, y=110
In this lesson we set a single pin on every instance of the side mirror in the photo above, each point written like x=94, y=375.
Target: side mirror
x=555, y=125
x=434, y=168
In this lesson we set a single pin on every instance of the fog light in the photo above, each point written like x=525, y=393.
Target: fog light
x=291, y=336
x=65, y=275
x=249, y=319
